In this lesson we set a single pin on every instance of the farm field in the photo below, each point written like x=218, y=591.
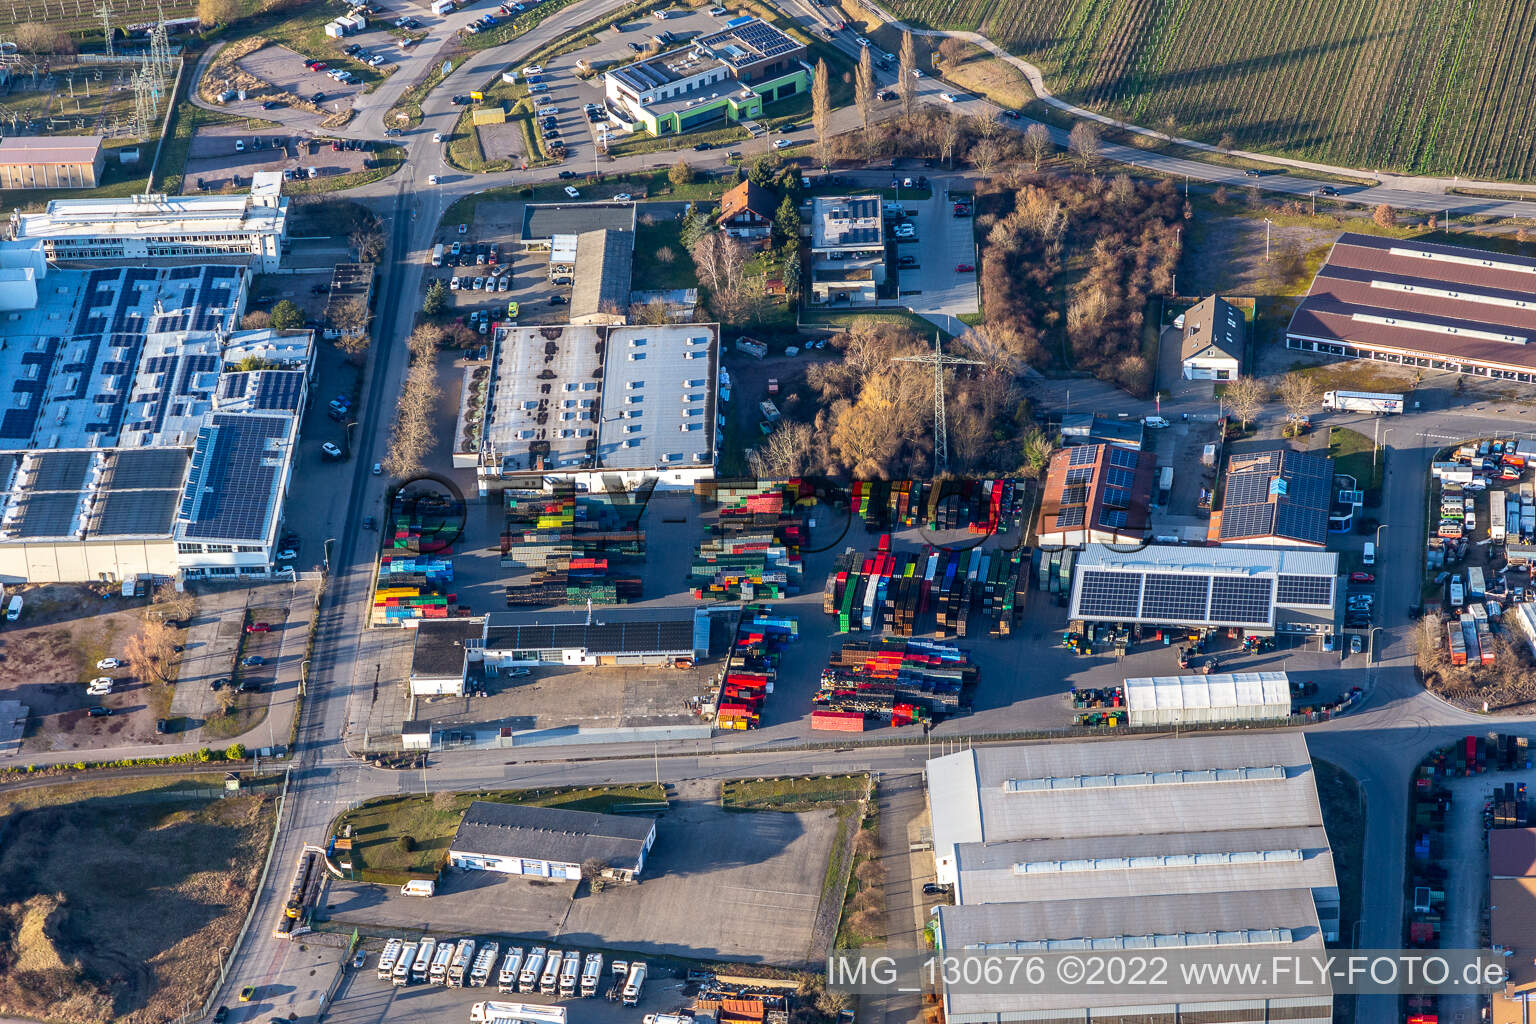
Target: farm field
x=1362, y=84
x=79, y=16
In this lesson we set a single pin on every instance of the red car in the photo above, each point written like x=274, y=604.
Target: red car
x=1361, y=577
x=259, y=627
x=319, y=65
x=964, y=268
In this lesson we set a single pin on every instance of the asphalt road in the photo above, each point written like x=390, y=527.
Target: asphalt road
x=1380, y=743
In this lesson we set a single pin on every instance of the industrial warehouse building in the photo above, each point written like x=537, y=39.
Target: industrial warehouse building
x=143, y=228
x=1096, y=493
x=1278, y=498
x=51, y=161
x=1418, y=303
x=1213, y=340
x=548, y=842
x=603, y=408
x=133, y=442
x=603, y=636
x=1512, y=919
x=1220, y=697
x=440, y=655
x=1262, y=591
x=1174, y=843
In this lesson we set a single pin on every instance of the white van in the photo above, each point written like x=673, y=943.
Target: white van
x=418, y=887
x=13, y=610
x=1369, y=558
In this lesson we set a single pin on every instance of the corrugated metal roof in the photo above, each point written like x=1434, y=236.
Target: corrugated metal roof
x=49, y=149
x=552, y=834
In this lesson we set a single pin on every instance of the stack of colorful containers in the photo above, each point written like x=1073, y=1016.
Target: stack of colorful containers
x=752, y=667
x=904, y=680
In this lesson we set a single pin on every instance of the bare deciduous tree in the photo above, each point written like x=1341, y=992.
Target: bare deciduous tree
x=985, y=155
x=1083, y=144
x=217, y=12
x=369, y=243
x=149, y=652
x=907, y=84
x=951, y=129
x=411, y=436
x=170, y=603
x=987, y=123
x=821, y=113
x=1298, y=393
x=1245, y=397
x=788, y=451
x=1037, y=143
x=864, y=87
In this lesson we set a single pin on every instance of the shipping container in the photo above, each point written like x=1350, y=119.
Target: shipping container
x=838, y=721
x=1476, y=588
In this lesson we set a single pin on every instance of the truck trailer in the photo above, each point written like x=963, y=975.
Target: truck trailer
x=494, y=1012
x=635, y=983
x=463, y=960
x=528, y=979
x=401, y=975
x=423, y=962
x=441, y=961
x=511, y=967
x=549, y=981
x=388, y=959
x=1374, y=402
x=485, y=963
x=570, y=974
x=591, y=975
x=1477, y=589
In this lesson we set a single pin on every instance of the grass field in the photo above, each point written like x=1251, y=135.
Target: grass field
x=431, y=821
x=796, y=793
x=1364, y=85
x=116, y=895
x=1355, y=454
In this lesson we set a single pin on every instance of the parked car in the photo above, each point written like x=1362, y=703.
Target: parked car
x=557, y=300
x=378, y=468
x=571, y=191
x=330, y=450
x=1355, y=644
x=111, y=663
x=964, y=268
x=98, y=712
x=567, y=175
x=369, y=523
x=253, y=661
x=221, y=1015
x=259, y=627
x=1361, y=577
x=934, y=889
x=248, y=993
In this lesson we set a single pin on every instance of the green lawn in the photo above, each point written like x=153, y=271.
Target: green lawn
x=793, y=793
x=848, y=318
x=431, y=821
x=653, y=272
x=1352, y=453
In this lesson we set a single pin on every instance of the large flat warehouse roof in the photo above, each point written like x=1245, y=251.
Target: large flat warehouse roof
x=1443, y=301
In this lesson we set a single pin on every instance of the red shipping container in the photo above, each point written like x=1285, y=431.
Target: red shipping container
x=838, y=721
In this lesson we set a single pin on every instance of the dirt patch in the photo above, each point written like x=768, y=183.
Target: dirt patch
x=503, y=142
x=47, y=658
x=183, y=865
x=979, y=72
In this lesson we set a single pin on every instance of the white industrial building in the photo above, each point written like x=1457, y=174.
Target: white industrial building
x=143, y=228
x=134, y=444
x=1175, y=843
x=601, y=637
x=606, y=408
x=548, y=842
x=1262, y=591
x=1219, y=697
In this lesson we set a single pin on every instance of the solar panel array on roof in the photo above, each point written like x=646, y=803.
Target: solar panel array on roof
x=1110, y=594
x=132, y=513
x=1083, y=455
x=1124, y=458
x=149, y=467
x=1277, y=493
x=1306, y=590
x=49, y=514
x=278, y=390
x=229, y=490
x=59, y=471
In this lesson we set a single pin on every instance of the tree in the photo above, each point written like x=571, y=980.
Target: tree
x=680, y=174
x=1083, y=144
x=788, y=451
x=369, y=243
x=864, y=86
x=256, y=320
x=350, y=317
x=907, y=83
x=32, y=37
x=1246, y=396
x=791, y=272
x=286, y=316
x=411, y=436
x=987, y=124
x=653, y=313
x=1037, y=143
x=821, y=113
x=950, y=130
x=763, y=170
x=234, y=752
x=149, y=652
x=443, y=800
x=985, y=155
x=1298, y=393
x=435, y=300
x=1384, y=216
x=786, y=224
x=170, y=603
x=217, y=12
x=1037, y=451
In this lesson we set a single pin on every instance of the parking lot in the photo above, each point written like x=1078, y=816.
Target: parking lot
x=287, y=70
x=219, y=154
x=944, y=283
x=760, y=873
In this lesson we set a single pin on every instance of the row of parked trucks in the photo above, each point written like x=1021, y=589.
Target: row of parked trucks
x=549, y=972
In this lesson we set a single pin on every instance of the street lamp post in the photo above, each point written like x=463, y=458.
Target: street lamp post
x=1267, y=225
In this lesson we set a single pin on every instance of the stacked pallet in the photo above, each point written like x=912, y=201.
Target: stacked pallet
x=752, y=668
x=566, y=525
x=903, y=680
x=566, y=580
x=748, y=557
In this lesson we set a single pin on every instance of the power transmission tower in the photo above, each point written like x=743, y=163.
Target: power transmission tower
x=160, y=45
x=940, y=428
x=105, y=10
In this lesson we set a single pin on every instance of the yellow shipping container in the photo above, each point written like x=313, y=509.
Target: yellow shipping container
x=490, y=115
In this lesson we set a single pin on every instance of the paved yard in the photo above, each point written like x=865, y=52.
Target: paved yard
x=213, y=159
x=760, y=874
